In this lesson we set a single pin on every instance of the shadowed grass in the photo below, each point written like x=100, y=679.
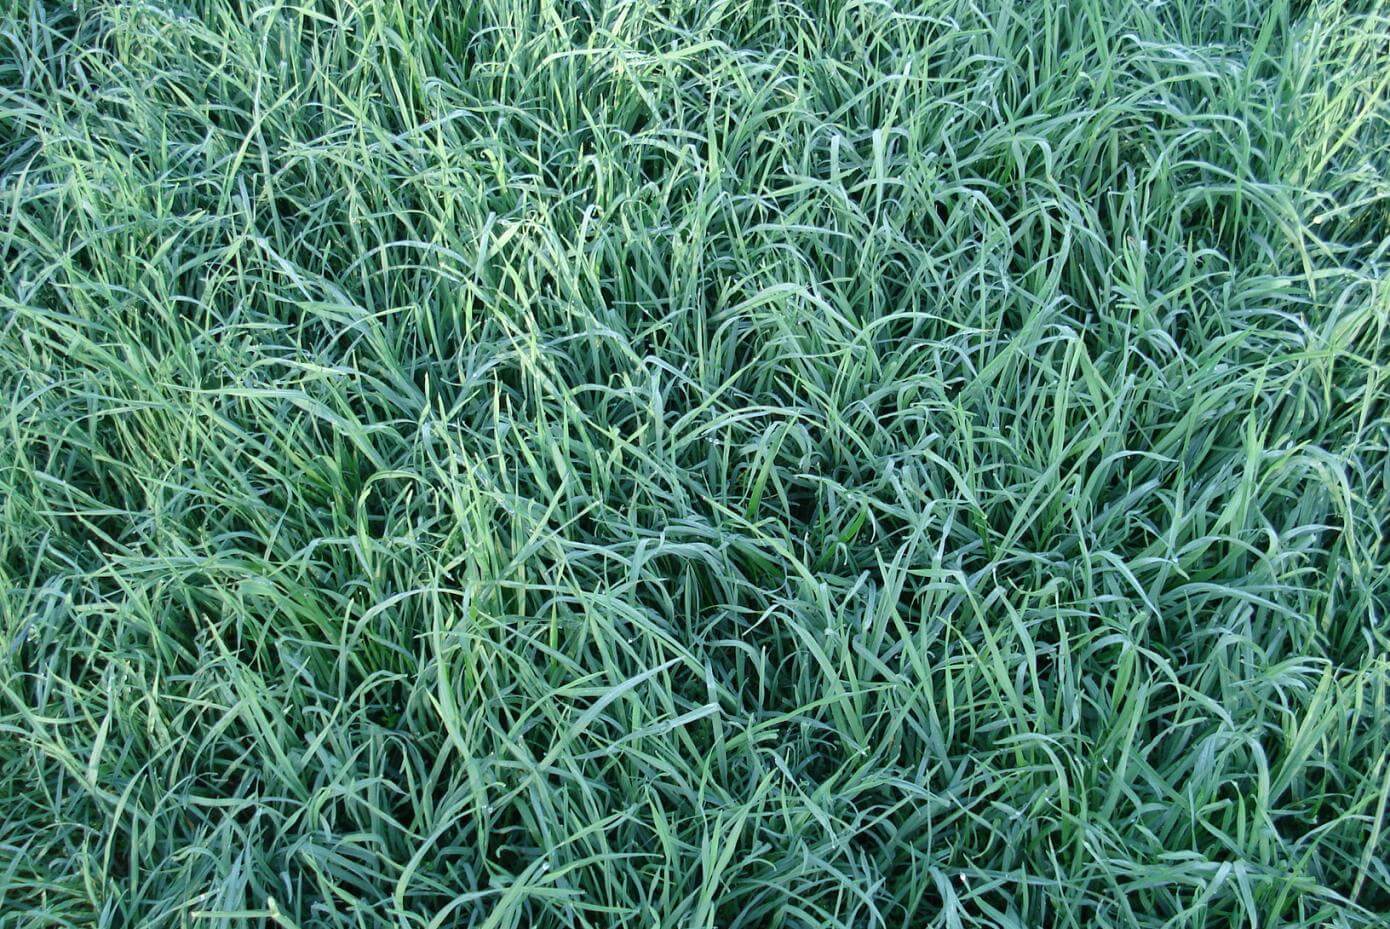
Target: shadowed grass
x=534, y=463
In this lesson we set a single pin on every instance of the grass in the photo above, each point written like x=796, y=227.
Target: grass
x=676, y=465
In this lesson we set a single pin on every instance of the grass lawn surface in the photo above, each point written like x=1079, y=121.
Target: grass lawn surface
x=697, y=464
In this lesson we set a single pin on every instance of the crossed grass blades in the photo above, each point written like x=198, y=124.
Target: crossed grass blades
x=529, y=463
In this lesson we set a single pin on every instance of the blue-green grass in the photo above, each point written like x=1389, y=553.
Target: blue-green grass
x=694, y=464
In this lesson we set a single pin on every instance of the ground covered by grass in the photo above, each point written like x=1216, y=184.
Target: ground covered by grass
x=676, y=465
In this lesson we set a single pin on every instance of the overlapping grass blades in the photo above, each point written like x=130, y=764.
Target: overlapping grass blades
x=741, y=464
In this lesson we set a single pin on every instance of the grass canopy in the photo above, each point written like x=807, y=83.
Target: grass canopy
x=694, y=464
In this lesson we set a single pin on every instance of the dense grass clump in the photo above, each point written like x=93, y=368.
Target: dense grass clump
x=678, y=464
